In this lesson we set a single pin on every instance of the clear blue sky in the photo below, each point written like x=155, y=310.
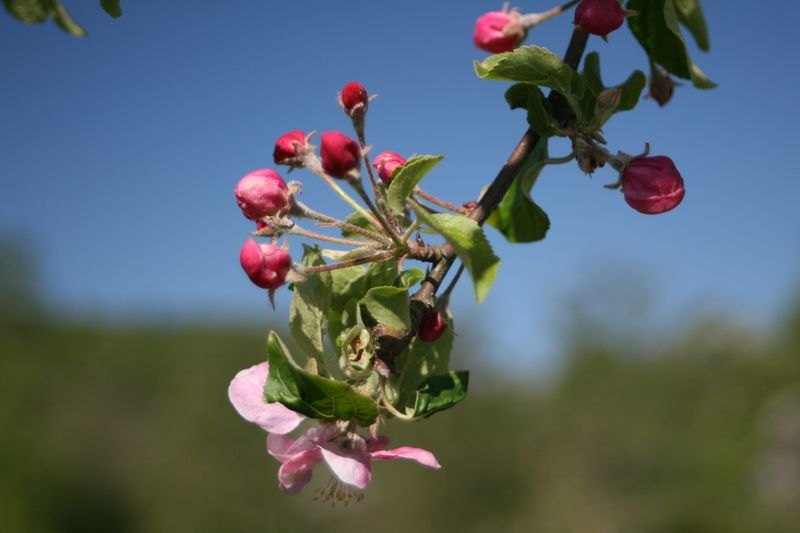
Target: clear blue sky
x=120, y=152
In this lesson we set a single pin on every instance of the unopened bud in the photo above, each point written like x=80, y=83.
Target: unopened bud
x=352, y=96
x=291, y=148
x=599, y=17
x=340, y=154
x=265, y=264
x=498, y=31
x=432, y=326
x=660, y=86
x=652, y=185
x=386, y=163
x=261, y=193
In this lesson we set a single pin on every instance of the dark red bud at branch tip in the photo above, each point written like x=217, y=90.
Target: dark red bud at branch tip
x=340, y=154
x=265, y=264
x=652, y=185
x=261, y=193
x=432, y=326
x=489, y=34
x=599, y=17
x=353, y=94
x=386, y=163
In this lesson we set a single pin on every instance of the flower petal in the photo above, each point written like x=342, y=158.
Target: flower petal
x=246, y=393
x=283, y=447
x=295, y=473
x=423, y=457
x=350, y=466
x=378, y=443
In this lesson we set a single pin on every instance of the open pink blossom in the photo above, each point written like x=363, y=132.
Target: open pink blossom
x=347, y=454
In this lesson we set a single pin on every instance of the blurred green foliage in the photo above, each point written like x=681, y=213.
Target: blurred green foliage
x=129, y=430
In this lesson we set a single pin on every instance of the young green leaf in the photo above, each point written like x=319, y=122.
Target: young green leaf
x=440, y=392
x=111, y=7
x=470, y=244
x=657, y=30
x=518, y=217
x=528, y=64
x=690, y=14
x=312, y=395
x=311, y=300
x=406, y=177
x=390, y=306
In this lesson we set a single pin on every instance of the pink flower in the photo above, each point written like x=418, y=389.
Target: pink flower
x=599, y=17
x=340, y=154
x=652, y=185
x=347, y=454
x=498, y=32
x=261, y=193
x=386, y=163
x=265, y=264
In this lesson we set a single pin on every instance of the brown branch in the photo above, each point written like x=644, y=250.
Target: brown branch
x=423, y=300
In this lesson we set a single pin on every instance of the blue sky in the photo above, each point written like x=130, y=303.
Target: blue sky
x=120, y=152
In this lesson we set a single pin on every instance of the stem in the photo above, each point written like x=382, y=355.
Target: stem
x=297, y=230
x=390, y=230
x=411, y=229
x=373, y=258
x=530, y=20
x=302, y=210
x=313, y=164
x=441, y=203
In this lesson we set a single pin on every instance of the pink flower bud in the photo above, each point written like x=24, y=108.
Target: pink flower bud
x=290, y=148
x=352, y=95
x=489, y=34
x=599, y=17
x=261, y=193
x=652, y=185
x=386, y=163
x=266, y=264
x=340, y=154
x=432, y=326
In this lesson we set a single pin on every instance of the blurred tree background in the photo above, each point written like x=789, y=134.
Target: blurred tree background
x=128, y=429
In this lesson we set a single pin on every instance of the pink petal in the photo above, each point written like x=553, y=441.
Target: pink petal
x=283, y=447
x=378, y=443
x=423, y=457
x=246, y=393
x=349, y=466
x=295, y=473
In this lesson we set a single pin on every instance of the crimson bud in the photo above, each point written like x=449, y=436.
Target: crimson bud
x=266, y=264
x=261, y=193
x=432, y=326
x=290, y=148
x=340, y=154
x=652, y=185
x=599, y=17
x=386, y=163
x=489, y=34
x=352, y=95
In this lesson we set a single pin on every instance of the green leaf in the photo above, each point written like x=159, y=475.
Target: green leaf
x=406, y=177
x=356, y=219
x=30, y=11
x=312, y=395
x=690, y=14
x=631, y=91
x=528, y=64
x=470, y=244
x=311, y=301
x=411, y=277
x=440, y=392
x=656, y=28
x=517, y=216
x=112, y=7
x=593, y=82
x=390, y=306
x=540, y=112
x=65, y=21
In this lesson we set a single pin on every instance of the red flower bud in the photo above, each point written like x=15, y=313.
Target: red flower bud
x=290, y=148
x=489, y=34
x=340, y=154
x=352, y=95
x=386, y=163
x=266, y=265
x=652, y=185
x=432, y=326
x=599, y=17
x=261, y=193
